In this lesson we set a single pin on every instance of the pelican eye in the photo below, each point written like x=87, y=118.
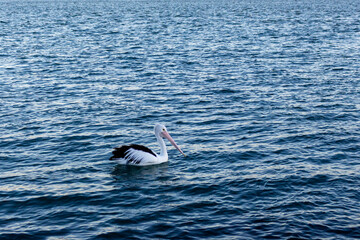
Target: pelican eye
x=163, y=129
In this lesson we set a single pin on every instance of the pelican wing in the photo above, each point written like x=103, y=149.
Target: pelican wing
x=133, y=154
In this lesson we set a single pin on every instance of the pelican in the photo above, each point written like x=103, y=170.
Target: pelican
x=139, y=155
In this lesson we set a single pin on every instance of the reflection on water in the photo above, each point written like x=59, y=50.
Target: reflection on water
x=128, y=172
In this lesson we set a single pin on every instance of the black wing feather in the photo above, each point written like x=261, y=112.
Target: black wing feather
x=121, y=152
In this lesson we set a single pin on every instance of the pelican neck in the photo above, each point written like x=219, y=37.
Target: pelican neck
x=163, y=151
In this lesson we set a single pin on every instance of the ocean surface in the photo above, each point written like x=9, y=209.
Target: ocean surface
x=263, y=97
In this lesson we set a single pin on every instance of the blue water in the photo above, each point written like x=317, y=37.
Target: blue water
x=263, y=97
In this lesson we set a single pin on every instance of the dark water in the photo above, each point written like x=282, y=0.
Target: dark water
x=263, y=97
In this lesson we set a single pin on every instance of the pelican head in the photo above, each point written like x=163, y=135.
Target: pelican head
x=160, y=131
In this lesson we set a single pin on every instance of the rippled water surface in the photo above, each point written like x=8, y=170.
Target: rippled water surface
x=263, y=97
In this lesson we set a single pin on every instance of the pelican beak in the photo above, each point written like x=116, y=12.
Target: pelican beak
x=168, y=137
